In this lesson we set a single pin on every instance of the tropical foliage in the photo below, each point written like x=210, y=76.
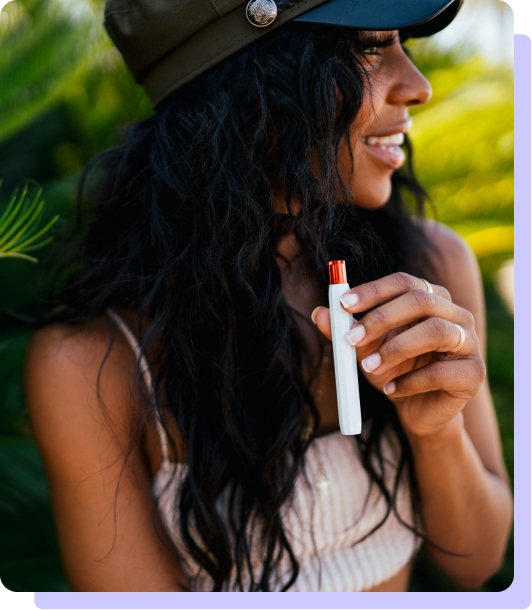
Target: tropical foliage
x=19, y=224
x=64, y=95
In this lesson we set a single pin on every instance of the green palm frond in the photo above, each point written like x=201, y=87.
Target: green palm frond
x=19, y=226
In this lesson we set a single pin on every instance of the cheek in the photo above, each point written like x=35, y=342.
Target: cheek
x=369, y=181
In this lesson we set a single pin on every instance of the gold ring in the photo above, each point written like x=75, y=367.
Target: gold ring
x=429, y=287
x=462, y=340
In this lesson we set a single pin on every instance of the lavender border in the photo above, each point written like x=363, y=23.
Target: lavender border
x=518, y=594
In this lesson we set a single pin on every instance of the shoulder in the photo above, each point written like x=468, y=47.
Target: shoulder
x=73, y=357
x=456, y=263
x=458, y=270
x=67, y=347
x=77, y=384
x=454, y=249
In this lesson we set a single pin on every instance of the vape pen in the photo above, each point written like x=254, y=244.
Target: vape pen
x=345, y=359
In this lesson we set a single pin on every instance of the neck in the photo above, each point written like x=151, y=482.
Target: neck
x=296, y=275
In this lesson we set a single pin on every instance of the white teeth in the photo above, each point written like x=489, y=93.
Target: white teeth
x=396, y=140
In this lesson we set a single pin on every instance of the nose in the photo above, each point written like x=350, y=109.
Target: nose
x=410, y=87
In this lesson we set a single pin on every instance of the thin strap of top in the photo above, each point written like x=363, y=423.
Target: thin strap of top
x=146, y=374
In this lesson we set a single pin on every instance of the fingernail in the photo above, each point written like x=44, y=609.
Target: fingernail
x=355, y=334
x=349, y=300
x=370, y=363
x=389, y=388
x=313, y=314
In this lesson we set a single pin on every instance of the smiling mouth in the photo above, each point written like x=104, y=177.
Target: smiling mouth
x=386, y=150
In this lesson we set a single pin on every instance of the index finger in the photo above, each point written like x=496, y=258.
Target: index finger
x=385, y=289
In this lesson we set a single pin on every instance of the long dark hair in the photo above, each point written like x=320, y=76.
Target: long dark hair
x=183, y=233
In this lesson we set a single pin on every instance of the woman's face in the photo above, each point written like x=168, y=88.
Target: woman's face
x=377, y=133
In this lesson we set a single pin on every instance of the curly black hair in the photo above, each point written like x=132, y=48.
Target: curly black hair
x=183, y=233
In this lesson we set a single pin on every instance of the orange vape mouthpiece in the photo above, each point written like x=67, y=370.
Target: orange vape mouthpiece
x=337, y=273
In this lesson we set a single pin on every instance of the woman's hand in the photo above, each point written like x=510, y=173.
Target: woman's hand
x=403, y=348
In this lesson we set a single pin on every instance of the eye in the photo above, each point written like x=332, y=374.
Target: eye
x=371, y=51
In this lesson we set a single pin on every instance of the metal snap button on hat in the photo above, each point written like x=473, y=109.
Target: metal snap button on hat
x=261, y=13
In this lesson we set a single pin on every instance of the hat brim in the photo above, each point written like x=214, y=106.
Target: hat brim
x=415, y=18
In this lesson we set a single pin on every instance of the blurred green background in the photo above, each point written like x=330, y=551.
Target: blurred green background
x=65, y=95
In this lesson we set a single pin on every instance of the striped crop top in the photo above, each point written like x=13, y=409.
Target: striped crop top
x=329, y=513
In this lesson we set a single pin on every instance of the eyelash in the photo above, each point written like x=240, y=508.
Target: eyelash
x=376, y=43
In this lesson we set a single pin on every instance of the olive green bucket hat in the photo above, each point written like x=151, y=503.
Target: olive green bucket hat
x=167, y=43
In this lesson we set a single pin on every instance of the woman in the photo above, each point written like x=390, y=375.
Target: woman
x=181, y=396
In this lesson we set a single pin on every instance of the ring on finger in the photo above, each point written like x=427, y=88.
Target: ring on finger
x=461, y=342
x=429, y=286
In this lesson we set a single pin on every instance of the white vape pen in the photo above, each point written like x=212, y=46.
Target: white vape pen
x=345, y=359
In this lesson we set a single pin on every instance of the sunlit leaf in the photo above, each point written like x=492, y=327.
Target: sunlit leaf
x=19, y=227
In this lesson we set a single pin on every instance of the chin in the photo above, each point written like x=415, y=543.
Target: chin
x=375, y=197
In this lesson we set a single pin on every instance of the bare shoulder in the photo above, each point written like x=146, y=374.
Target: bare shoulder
x=70, y=371
x=458, y=270
x=62, y=348
x=79, y=380
x=74, y=346
x=457, y=256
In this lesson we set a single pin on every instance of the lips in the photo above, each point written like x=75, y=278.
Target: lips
x=385, y=148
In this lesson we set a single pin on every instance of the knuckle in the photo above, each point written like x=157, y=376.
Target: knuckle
x=422, y=298
x=373, y=289
x=377, y=317
x=473, y=341
x=392, y=350
x=405, y=280
x=480, y=370
x=469, y=318
x=439, y=328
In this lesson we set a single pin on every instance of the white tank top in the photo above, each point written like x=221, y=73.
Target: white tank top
x=329, y=513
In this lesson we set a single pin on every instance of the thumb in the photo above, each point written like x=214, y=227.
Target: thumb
x=321, y=317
